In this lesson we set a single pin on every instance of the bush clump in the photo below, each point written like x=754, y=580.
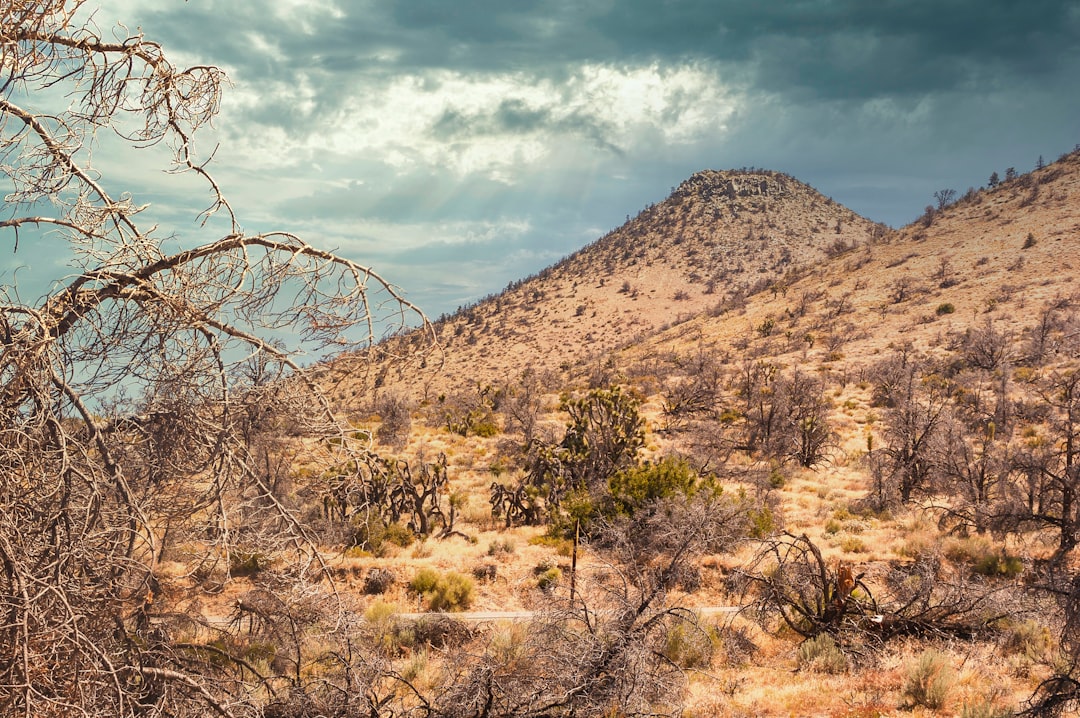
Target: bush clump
x=638, y=486
x=451, y=591
x=1029, y=639
x=985, y=558
x=378, y=581
x=986, y=708
x=247, y=563
x=821, y=654
x=995, y=564
x=929, y=680
x=763, y=522
x=689, y=645
x=945, y=308
x=372, y=534
x=548, y=578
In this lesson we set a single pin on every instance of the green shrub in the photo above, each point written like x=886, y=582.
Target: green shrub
x=247, y=563
x=634, y=488
x=762, y=522
x=444, y=592
x=554, y=539
x=995, y=564
x=373, y=535
x=380, y=612
x=822, y=654
x=929, y=680
x=548, y=578
x=984, y=557
x=425, y=581
x=688, y=645
x=945, y=308
x=777, y=480
x=389, y=636
x=399, y=535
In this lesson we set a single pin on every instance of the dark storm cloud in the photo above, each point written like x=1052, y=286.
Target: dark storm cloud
x=826, y=49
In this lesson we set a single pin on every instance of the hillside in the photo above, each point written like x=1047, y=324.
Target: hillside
x=974, y=255
x=717, y=237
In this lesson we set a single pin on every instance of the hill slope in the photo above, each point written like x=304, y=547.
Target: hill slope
x=719, y=236
x=996, y=256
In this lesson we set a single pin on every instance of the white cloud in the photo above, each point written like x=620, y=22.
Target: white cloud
x=598, y=107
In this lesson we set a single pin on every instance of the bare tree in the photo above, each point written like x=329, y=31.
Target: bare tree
x=796, y=585
x=1050, y=494
x=810, y=435
x=127, y=414
x=695, y=392
x=974, y=469
x=522, y=403
x=915, y=398
x=944, y=197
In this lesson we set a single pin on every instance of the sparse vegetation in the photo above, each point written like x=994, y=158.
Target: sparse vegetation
x=821, y=653
x=451, y=591
x=929, y=680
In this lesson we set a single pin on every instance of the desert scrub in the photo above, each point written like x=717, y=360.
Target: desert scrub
x=929, y=680
x=852, y=544
x=822, y=654
x=995, y=564
x=984, y=557
x=509, y=644
x=1029, y=639
x=563, y=546
x=386, y=631
x=763, y=522
x=986, y=708
x=500, y=547
x=248, y=563
x=371, y=534
x=639, y=486
x=689, y=645
x=548, y=578
x=451, y=591
x=378, y=581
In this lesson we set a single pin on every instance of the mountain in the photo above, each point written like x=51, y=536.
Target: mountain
x=720, y=236
x=995, y=256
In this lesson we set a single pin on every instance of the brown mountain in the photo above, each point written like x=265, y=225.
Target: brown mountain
x=718, y=237
x=995, y=257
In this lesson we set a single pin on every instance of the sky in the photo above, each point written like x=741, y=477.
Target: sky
x=457, y=145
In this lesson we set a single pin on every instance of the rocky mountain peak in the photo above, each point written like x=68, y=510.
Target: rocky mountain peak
x=713, y=185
